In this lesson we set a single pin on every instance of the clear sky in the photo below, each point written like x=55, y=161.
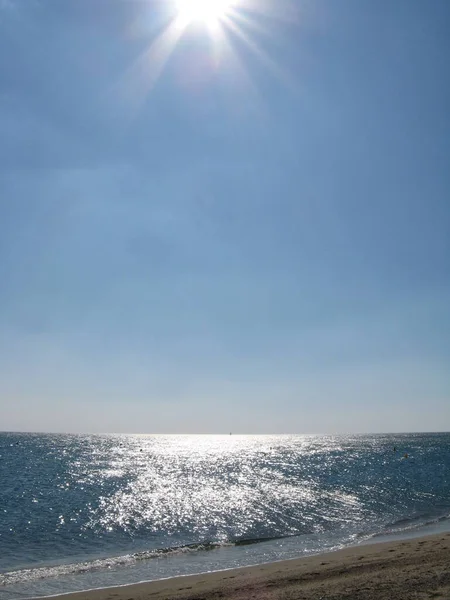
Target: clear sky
x=236, y=221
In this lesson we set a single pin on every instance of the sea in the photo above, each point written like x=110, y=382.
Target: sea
x=89, y=511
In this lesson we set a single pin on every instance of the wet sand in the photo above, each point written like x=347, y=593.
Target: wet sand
x=412, y=569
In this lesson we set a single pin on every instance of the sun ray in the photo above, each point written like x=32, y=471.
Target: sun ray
x=233, y=26
x=145, y=71
x=284, y=11
x=280, y=73
x=225, y=53
x=246, y=21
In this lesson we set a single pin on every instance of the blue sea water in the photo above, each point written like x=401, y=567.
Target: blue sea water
x=84, y=511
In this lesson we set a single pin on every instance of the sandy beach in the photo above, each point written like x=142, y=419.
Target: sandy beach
x=416, y=569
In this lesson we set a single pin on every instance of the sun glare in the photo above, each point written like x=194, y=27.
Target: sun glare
x=209, y=12
x=221, y=23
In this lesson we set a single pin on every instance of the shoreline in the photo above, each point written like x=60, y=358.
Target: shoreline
x=396, y=570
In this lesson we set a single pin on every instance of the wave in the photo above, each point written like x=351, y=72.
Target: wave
x=406, y=525
x=30, y=575
x=39, y=573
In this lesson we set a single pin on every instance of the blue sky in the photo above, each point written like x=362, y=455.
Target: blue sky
x=247, y=230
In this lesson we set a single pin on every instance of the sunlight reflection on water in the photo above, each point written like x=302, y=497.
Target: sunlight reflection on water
x=218, y=487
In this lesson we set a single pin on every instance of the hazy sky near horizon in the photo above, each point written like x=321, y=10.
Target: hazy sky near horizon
x=243, y=228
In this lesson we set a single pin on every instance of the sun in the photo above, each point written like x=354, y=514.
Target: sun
x=209, y=12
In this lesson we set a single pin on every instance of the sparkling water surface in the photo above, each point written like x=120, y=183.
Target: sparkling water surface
x=82, y=511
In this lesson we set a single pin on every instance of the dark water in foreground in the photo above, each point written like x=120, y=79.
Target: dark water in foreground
x=82, y=511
